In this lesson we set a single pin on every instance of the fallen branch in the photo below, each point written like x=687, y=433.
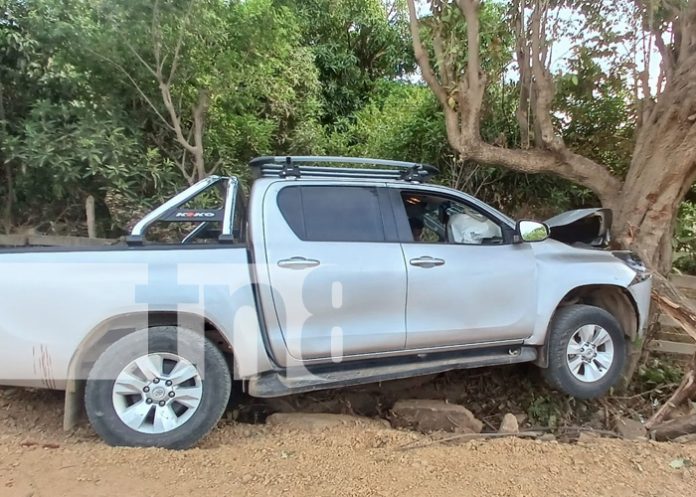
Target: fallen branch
x=657, y=389
x=675, y=428
x=685, y=390
x=671, y=301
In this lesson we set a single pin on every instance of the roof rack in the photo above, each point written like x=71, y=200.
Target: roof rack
x=289, y=166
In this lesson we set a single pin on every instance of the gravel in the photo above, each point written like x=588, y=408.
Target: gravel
x=38, y=459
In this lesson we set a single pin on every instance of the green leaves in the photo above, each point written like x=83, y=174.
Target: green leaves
x=355, y=44
x=75, y=124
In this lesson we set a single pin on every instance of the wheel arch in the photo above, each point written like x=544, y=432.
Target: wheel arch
x=109, y=331
x=614, y=299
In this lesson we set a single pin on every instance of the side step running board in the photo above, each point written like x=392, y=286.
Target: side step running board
x=298, y=380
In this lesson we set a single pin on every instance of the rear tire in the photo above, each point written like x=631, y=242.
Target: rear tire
x=587, y=351
x=160, y=387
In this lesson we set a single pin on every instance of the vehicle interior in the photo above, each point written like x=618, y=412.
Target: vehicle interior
x=435, y=219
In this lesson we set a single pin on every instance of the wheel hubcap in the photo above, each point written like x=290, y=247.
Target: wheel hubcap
x=157, y=393
x=590, y=353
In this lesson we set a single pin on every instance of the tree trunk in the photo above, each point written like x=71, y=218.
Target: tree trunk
x=9, y=196
x=90, y=217
x=663, y=169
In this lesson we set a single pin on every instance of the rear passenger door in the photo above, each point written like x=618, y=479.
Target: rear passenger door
x=336, y=269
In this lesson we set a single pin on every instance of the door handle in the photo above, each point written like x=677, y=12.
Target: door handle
x=298, y=263
x=426, y=261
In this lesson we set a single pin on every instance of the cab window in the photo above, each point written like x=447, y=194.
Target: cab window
x=333, y=213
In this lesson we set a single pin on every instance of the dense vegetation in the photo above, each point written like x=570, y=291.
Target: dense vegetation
x=127, y=101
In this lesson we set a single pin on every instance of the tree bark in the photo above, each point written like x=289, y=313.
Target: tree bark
x=663, y=166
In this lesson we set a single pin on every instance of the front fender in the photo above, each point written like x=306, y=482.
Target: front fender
x=562, y=269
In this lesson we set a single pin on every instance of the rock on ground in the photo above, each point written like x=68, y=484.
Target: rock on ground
x=588, y=437
x=509, y=424
x=433, y=415
x=320, y=421
x=630, y=428
x=686, y=439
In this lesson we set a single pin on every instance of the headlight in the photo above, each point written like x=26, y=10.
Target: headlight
x=632, y=260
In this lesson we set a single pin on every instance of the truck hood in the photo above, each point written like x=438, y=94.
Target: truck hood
x=582, y=226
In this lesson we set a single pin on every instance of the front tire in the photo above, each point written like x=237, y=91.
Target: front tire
x=160, y=387
x=587, y=351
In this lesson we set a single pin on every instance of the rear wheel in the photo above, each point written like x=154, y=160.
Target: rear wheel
x=587, y=351
x=162, y=387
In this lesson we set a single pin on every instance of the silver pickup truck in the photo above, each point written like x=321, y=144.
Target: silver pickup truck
x=320, y=277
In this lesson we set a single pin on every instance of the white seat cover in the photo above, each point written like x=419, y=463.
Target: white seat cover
x=463, y=228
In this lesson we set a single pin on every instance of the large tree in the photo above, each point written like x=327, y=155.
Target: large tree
x=449, y=51
x=645, y=198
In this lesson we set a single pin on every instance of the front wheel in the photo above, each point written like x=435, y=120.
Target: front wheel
x=160, y=387
x=587, y=351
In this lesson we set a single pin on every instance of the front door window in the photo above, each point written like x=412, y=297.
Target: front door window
x=435, y=219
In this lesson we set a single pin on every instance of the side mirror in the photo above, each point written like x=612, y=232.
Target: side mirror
x=531, y=231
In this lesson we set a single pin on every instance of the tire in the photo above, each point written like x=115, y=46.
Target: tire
x=182, y=403
x=572, y=367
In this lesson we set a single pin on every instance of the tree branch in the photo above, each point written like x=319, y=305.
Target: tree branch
x=422, y=57
x=423, y=60
x=476, y=78
x=525, y=81
x=142, y=61
x=568, y=165
x=135, y=85
x=199, y=112
x=543, y=82
x=179, y=43
x=440, y=57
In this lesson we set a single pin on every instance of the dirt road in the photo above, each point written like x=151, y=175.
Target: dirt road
x=38, y=459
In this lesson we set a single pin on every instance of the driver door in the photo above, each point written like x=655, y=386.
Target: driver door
x=467, y=283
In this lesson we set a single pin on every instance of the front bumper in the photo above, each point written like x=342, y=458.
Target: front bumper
x=641, y=291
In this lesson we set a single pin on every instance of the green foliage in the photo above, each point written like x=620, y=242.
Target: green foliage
x=402, y=121
x=496, y=42
x=658, y=371
x=685, y=238
x=593, y=113
x=355, y=44
x=81, y=114
x=58, y=142
x=546, y=410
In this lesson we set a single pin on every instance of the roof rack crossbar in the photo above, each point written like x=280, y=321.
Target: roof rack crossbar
x=287, y=166
x=275, y=169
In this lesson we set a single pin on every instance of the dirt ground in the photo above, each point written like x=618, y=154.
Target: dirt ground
x=38, y=459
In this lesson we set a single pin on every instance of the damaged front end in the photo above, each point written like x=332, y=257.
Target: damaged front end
x=590, y=229
x=584, y=227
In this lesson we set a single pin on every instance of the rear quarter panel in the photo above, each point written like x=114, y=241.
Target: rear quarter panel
x=52, y=302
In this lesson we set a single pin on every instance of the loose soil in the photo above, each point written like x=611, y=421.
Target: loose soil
x=38, y=459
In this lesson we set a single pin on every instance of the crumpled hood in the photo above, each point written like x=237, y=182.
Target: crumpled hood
x=582, y=226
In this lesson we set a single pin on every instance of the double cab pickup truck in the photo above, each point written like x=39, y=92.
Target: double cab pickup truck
x=332, y=271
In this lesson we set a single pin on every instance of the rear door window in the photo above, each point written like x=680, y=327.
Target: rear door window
x=333, y=213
